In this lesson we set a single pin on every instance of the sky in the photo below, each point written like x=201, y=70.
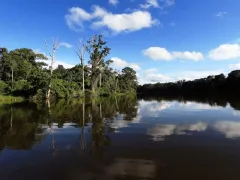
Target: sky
x=163, y=40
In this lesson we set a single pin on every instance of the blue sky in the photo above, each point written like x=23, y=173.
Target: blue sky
x=163, y=40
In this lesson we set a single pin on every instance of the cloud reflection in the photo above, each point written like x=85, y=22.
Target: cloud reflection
x=160, y=132
x=230, y=129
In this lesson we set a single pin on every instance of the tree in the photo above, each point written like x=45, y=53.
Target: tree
x=81, y=51
x=55, y=47
x=98, y=51
x=128, y=80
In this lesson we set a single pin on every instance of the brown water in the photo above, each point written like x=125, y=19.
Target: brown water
x=120, y=139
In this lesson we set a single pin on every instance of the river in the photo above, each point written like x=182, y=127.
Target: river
x=120, y=138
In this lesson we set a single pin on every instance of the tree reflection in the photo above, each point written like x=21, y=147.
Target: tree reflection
x=20, y=129
x=23, y=125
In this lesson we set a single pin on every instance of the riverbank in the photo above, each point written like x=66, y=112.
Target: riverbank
x=4, y=98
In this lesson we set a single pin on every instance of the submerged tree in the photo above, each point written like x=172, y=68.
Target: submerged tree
x=51, y=53
x=81, y=51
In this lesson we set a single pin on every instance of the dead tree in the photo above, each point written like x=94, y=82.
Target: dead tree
x=81, y=51
x=55, y=47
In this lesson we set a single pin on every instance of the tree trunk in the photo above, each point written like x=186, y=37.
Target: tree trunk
x=83, y=79
x=100, y=81
x=94, y=83
x=50, y=84
x=12, y=78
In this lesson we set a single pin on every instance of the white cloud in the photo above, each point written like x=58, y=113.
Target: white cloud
x=120, y=63
x=150, y=3
x=157, y=77
x=56, y=63
x=159, y=53
x=126, y=22
x=157, y=4
x=48, y=61
x=67, y=45
x=113, y=2
x=192, y=75
x=195, y=56
x=221, y=14
x=76, y=17
x=116, y=23
x=154, y=76
x=150, y=76
x=151, y=71
x=225, y=52
x=234, y=66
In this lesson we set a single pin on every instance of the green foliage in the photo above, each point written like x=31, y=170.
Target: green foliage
x=211, y=85
x=3, y=87
x=64, y=89
x=23, y=75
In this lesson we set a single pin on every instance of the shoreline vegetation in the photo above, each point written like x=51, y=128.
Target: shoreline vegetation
x=30, y=75
x=27, y=74
x=211, y=86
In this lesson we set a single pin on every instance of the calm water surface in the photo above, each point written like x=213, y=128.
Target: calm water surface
x=120, y=139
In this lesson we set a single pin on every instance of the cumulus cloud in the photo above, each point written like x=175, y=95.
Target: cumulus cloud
x=113, y=2
x=195, y=56
x=192, y=75
x=67, y=45
x=48, y=61
x=150, y=3
x=126, y=22
x=225, y=52
x=157, y=4
x=221, y=14
x=234, y=66
x=76, y=17
x=159, y=53
x=116, y=23
x=153, y=75
x=56, y=63
x=120, y=63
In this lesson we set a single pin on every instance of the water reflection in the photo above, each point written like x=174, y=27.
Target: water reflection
x=116, y=138
x=160, y=131
x=138, y=168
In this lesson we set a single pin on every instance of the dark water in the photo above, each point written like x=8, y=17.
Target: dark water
x=120, y=139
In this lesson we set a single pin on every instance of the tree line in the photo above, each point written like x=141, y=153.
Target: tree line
x=25, y=73
x=209, y=86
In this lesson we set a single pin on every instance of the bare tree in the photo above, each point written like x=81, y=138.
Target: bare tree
x=55, y=47
x=81, y=51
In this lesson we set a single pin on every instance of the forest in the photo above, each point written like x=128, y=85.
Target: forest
x=24, y=73
x=218, y=85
